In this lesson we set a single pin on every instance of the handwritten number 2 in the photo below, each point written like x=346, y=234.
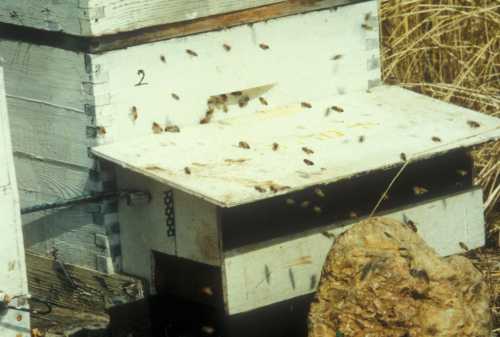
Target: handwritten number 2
x=142, y=75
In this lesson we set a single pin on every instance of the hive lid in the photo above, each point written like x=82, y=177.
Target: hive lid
x=370, y=134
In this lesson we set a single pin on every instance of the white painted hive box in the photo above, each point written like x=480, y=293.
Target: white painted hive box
x=254, y=201
x=13, y=282
x=64, y=100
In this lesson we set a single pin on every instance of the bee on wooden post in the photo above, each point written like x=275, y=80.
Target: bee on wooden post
x=403, y=156
x=319, y=192
x=336, y=57
x=207, y=291
x=419, y=190
x=163, y=59
x=206, y=119
x=463, y=246
x=473, y=124
x=208, y=330
x=226, y=47
x=134, y=113
x=308, y=162
x=260, y=189
x=307, y=150
x=236, y=93
x=263, y=46
x=411, y=225
x=243, y=101
x=275, y=146
x=361, y=139
x=366, y=26
x=156, y=128
x=172, y=128
x=101, y=130
x=223, y=98
x=244, y=145
x=306, y=105
x=436, y=139
x=175, y=96
x=191, y=52
x=187, y=170
x=263, y=101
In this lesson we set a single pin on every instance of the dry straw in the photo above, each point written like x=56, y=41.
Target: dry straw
x=450, y=49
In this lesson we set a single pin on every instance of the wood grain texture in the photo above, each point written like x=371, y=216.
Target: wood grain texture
x=93, y=294
x=13, y=280
x=95, y=18
x=392, y=121
x=292, y=268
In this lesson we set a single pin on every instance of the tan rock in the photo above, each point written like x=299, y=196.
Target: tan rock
x=382, y=280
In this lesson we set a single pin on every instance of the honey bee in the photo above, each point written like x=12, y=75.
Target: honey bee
x=157, y=128
x=328, y=235
x=207, y=291
x=306, y=105
x=163, y=59
x=191, y=52
x=308, y=162
x=361, y=139
x=290, y=202
x=305, y=204
x=263, y=101
x=319, y=192
x=260, y=189
x=187, y=170
x=210, y=112
x=101, y=130
x=317, y=209
x=412, y=226
x=337, y=108
x=224, y=108
x=366, y=26
x=244, y=145
x=223, y=97
x=172, y=128
x=175, y=96
x=226, y=47
x=263, y=46
x=307, y=150
x=436, y=139
x=275, y=146
x=463, y=246
x=473, y=124
x=336, y=57
x=208, y=330
x=206, y=119
x=236, y=93
x=403, y=156
x=418, y=190
x=243, y=101
x=134, y=113
x=368, y=16
x=462, y=173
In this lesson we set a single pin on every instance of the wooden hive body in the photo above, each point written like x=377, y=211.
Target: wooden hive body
x=13, y=283
x=65, y=101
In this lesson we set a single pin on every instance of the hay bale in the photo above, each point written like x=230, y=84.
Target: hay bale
x=381, y=279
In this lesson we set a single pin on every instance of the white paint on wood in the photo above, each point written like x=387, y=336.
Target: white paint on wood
x=143, y=228
x=13, y=281
x=101, y=17
x=298, y=66
x=391, y=121
x=442, y=224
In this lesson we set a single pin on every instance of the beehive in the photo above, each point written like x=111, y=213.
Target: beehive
x=66, y=94
x=257, y=145
x=13, y=283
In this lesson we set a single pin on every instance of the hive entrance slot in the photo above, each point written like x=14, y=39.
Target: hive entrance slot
x=349, y=199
